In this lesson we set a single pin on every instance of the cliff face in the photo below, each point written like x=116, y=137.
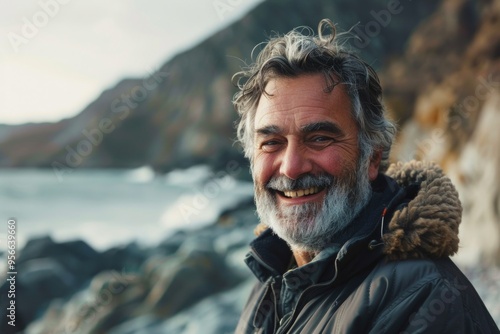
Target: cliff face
x=445, y=93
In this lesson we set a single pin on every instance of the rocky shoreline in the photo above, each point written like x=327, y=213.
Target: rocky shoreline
x=71, y=288
x=192, y=282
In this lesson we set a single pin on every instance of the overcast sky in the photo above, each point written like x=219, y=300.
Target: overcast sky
x=56, y=56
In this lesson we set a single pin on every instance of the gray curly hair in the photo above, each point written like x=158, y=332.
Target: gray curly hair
x=296, y=54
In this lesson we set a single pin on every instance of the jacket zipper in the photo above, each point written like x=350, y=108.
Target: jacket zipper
x=286, y=325
x=276, y=317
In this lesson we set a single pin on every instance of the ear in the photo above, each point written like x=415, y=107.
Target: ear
x=374, y=165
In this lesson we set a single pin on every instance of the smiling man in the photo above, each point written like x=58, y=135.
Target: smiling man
x=345, y=245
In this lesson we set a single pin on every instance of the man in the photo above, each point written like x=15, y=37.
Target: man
x=345, y=248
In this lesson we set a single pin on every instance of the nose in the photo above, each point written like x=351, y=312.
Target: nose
x=295, y=162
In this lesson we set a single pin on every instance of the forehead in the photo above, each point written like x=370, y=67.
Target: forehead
x=303, y=100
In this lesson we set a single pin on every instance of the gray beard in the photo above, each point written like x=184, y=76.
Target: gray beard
x=312, y=226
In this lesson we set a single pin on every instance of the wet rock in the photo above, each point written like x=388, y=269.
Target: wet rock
x=129, y=257
x=48, y=270
x=76, y=256
x=172, y=243
x=216, y=314
x=162, y=287
x=184, y=280
x=109, y=300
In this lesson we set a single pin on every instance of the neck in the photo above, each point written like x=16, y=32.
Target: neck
x=302, y=257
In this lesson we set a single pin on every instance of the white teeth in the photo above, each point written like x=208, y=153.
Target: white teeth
x=301, y=192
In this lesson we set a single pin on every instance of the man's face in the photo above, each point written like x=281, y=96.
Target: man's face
x=308, y=177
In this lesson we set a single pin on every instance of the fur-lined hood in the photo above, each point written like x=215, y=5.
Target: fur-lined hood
x=428, y=225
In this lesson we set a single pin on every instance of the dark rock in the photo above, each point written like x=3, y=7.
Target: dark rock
x=129, y=258
x=76, y=256
x=183, y=280
x=164, y=286
x=48, y=270
x=115, y=297
x=201, y=241
x=172, y=243
x=216, y=314
x=110, y=299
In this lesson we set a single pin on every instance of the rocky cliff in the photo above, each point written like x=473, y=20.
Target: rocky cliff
x=445, y=94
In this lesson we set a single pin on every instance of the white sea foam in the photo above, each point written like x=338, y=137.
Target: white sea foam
x=204, y=204
x=189, y=176
x=140, y=175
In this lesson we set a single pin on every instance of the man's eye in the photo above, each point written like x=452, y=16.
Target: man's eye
x=270, y=145
x=320, y=139
x=320, y=142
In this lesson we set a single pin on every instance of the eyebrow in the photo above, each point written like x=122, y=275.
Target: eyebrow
x=268, y=130
x=322, y=126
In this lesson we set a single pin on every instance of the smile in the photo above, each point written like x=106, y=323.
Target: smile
x=301, y=192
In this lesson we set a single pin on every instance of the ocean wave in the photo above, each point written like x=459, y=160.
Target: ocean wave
x=203, y=205
x=142, y=174
x=189, y=176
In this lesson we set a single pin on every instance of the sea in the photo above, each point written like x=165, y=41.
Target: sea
x=108, y=208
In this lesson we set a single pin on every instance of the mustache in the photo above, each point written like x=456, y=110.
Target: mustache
x=283, y=183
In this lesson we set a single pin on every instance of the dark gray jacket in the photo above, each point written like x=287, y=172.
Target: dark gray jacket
x=393, y=275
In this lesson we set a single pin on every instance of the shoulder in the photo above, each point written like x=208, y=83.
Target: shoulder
x=391, y=282
x=426, y=294
x=385, y=301
x=403, y=274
